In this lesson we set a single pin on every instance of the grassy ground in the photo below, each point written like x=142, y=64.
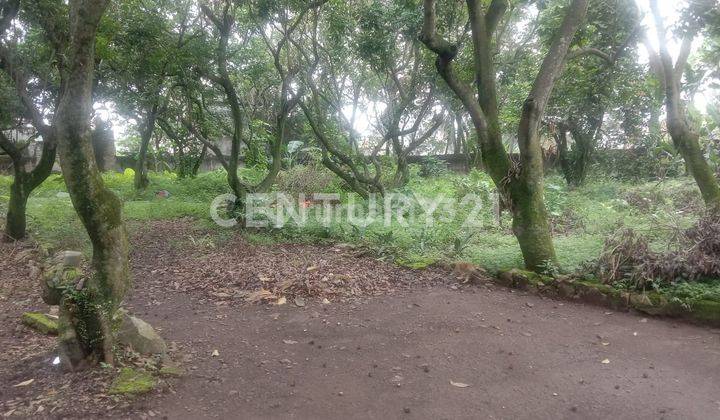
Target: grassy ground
x=582, y=218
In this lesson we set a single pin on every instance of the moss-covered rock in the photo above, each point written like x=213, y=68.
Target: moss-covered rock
x=523, y=279
x=587, y=290
x=57, y=278
x=132, y=382
x=40, y=323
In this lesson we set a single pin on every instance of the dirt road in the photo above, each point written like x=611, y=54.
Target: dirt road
x=397, y=357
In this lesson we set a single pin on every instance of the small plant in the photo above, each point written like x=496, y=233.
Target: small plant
x=460, y=243
x=549, y=268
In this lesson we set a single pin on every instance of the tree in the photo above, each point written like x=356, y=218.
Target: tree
x=88, y=308
x=520, y=182
x=587, y=90
x=145, y=53
x=684, y=136
x=228, y=31
x=21, y=109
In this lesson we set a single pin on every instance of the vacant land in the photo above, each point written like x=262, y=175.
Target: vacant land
x=388, y=342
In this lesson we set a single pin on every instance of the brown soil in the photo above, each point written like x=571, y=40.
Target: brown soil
x=392, y=343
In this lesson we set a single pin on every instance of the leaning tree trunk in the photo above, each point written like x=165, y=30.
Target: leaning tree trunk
x=521, y=183
x=23, y=184
x=88, y=309
x=685, y=139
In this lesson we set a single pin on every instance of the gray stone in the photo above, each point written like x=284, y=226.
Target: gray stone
x=138, y=334
x=70, y=258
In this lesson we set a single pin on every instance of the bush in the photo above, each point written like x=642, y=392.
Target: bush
x=432, y=166
x=627, y=258
x=307, y=179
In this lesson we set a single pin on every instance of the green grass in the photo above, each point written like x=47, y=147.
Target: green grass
x=583, y=217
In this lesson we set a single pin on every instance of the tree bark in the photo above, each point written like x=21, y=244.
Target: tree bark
x=141, y=179
x=16, y=223
x=89, y=312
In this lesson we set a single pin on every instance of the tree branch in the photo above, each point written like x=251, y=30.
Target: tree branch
x=589, y=51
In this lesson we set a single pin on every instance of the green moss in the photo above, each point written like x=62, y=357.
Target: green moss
x=604, y=288
x=132, y=382
x=416, y=262
x=706, y=310
x=40, y=322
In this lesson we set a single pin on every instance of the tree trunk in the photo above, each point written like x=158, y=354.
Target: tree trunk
x=89, y=310
x=574, y=163
x=687, y=142
x=521, y=182
x=141, y=179
x=199, y=161
x=24, y=183
x=16, y=219
x=526, y=192
x=402, y=175
x=685, y=139
x=563, y=153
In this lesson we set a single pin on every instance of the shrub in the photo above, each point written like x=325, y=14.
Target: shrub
x=307, y=179
x=627, y=257
x=432, y=166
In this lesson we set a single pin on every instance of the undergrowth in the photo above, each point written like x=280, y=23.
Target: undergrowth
x=581, y=218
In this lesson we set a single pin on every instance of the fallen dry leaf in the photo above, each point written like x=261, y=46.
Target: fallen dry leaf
x=281, y=301
x=459, y=384
x=260, y=295
x=215, y=353
x=24, y=383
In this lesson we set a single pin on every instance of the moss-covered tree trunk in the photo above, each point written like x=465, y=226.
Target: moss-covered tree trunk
x=24, y=183
x=526, y=191
x=88, y=309
x=16, y=223
x=684, y=137
x=520, y=182
x=141, y=179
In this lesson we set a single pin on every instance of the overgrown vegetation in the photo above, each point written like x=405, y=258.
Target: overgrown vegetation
x=581, y=218
x=694, y=256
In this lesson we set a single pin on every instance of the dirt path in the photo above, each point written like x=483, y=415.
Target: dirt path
x=394, y=357
x=387, y=345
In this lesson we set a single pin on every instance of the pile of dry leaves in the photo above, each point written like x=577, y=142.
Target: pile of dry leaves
x=627, y=257
x=239, y=271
